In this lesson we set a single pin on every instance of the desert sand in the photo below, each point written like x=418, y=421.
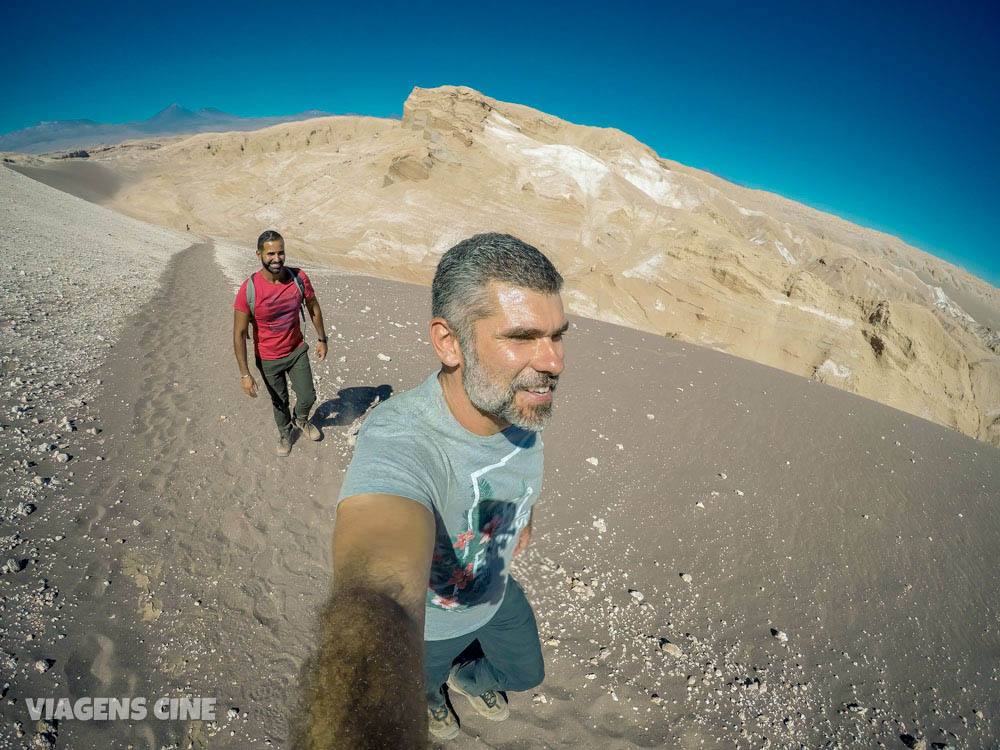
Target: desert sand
x=643, y=241
x=823, y=566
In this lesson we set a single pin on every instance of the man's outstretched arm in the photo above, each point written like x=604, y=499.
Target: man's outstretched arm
x=366, y=686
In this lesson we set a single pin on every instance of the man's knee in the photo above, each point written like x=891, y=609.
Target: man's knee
x=527, y=678
x=308, y=399
x=305, y=390
x=277, y=400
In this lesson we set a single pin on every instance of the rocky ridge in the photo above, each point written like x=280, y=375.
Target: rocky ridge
x=642, y=241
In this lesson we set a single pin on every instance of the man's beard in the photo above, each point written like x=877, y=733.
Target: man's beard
x=487, y=395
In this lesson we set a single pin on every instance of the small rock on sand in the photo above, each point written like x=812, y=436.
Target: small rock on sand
x=671, y=649
x=44, y=665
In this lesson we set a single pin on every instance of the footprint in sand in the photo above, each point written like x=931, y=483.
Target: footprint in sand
x=99, y=512
x=92, y=665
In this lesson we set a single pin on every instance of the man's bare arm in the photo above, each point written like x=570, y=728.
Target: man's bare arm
x=316, y=315
x=241, y=323
x=366, y=686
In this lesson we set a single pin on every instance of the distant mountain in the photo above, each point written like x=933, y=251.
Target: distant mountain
x=62, y=135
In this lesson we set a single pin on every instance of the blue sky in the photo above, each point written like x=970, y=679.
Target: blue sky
x=884, y=113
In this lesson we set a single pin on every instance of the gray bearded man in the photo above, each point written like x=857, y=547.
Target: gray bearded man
x=436, y=503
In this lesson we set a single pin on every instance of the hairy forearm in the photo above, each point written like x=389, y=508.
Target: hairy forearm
x=366, y=683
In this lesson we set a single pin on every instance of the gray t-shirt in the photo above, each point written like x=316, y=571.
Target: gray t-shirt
x=480, y=490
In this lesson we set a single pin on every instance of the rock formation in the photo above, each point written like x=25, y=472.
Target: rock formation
x=642, y=240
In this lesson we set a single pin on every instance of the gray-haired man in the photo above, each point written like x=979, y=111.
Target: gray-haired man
x=436, y=503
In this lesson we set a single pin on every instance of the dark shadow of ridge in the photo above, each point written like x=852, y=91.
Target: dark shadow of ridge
x=91, y=182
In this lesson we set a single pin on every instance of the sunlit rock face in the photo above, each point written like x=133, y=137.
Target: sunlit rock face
x=642, y=241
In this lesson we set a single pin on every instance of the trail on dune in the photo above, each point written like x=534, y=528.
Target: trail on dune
x=211, y=544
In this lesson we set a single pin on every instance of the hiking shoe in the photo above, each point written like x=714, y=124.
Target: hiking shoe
x=284, y=446
x=489, y=704
x=442, y=722
x=309, y=429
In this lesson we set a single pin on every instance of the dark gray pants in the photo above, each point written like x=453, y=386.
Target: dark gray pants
x=512, y=654
x=294, y=367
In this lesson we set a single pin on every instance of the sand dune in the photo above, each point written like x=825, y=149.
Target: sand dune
x=644, y=241
x=691, y=497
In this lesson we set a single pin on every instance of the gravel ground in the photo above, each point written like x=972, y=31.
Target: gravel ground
x=725, y=555
x=73, y=274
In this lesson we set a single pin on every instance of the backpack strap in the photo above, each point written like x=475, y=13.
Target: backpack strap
x=302, y=290
x=251, y=296
x=251, y=293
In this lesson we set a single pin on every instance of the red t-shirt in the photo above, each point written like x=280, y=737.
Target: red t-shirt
x=276, y=331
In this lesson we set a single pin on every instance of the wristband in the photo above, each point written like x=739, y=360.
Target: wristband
x=322, y=340
x=248, y=375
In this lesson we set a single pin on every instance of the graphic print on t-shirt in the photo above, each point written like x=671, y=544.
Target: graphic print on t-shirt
x=467, y=569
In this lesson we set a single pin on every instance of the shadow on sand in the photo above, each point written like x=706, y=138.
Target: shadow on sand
x=349, y=404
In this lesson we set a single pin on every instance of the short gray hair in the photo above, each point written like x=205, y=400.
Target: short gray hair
x=459, y=291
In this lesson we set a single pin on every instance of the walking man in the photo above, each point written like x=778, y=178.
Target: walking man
x=272, y=299
x=436, y=503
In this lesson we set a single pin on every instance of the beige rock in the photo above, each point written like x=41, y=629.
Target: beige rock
x=641, y=240
x=671, y=649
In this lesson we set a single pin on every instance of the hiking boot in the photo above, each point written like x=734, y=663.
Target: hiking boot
x=489, y=704
x=284, y=445
x=309, y=429
x=442, y=722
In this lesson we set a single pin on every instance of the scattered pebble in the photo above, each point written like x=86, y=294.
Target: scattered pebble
x=44, y=665
x=671, y=649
